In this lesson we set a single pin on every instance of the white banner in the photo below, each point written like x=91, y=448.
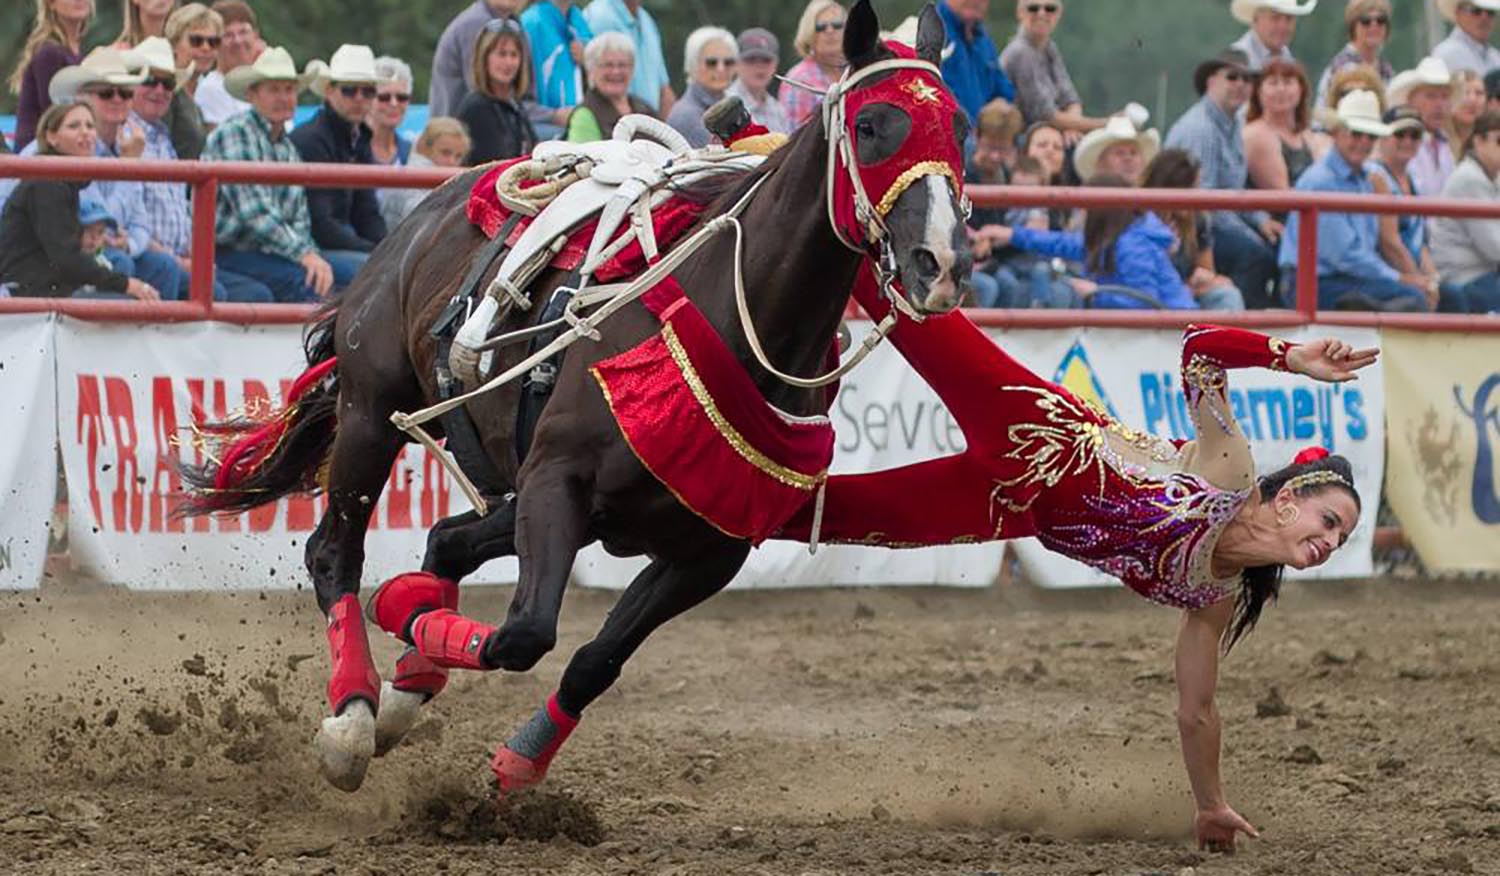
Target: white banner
x=129, y=396
x=28, y=450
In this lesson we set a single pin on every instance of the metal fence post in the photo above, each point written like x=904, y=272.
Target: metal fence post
x=1307, y=263
x=205, y=208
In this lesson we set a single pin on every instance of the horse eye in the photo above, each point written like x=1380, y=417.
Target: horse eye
x=865, y=128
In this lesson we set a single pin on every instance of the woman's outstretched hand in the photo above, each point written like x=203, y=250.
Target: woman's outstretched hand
x=1216, y=828
x=1329, y=360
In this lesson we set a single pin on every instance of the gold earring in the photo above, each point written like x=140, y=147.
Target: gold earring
x=1285, y=516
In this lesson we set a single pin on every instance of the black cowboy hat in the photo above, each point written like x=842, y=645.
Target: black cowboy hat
x=1226, y=58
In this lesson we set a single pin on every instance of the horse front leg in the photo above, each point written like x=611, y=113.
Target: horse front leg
x=362, y=455
x=659, y=593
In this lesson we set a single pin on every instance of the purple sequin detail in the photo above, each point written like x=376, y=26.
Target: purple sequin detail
x=1156, y=536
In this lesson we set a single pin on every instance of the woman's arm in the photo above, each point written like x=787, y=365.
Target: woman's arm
x=1220, y=452
x=1392, y=248
x=1263, y=158
x=1198, y=724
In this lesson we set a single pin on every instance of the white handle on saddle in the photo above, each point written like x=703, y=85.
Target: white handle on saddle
x=635, y=124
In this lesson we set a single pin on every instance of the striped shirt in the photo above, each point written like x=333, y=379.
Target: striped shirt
x=259, y=218
x=167, y=214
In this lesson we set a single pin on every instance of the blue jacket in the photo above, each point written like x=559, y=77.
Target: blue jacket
x=1143, y=261
x=972, y=71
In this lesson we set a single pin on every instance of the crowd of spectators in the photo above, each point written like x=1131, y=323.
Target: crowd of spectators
x=199, y=82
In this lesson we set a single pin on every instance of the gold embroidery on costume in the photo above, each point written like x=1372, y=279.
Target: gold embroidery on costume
x=744, y=448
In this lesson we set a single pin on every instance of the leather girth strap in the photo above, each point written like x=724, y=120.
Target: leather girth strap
x=463, y=437
x=542, y=379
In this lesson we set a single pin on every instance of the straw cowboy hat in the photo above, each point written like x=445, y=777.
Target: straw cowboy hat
x=1430, y=72
x=350, y=64
x=155, y=53
x=1359, y=111
x=274, y=65
x=103, y=66
x=1449, y=8
x=1118, y=129
x=1244, y=10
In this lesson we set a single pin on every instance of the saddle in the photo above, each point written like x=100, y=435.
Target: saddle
x=603, y=211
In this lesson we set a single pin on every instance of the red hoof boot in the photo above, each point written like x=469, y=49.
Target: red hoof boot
x=450, y=640
x=403, y=597
x=515, y=773
x=417, y=674
x=352, y=676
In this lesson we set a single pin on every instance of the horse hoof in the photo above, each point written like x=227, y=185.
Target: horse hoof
x=515, y=773
x=399, y=712
x=345, y=743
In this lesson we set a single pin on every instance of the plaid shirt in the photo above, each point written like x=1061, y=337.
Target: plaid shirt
x=800, y=103
x=259, y=218
x=1216, y=139
x=167, y=214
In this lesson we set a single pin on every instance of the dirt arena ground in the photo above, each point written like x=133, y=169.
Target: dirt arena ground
x=1002, y=732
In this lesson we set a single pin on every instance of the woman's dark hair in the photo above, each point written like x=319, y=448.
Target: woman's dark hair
x=1177, y=169
x=1262, y=584
x=1102, y=227
x=1488, y=121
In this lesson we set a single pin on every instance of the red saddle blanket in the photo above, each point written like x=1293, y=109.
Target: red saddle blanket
x=698, y=423
x=672, y=219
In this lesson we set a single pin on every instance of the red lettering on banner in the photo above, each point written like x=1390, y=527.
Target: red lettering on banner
x=91, y=418
x=127, y=501
x=434, y=490
x=398, y=494
x=164, y=424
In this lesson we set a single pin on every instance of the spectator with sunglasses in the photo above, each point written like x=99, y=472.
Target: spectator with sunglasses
x=1468, y=47
x=239, y=45
x=1403, y=239
x=1368, y=23
x=972, y=69
x=493, y=112
x=820, y=42
x=1034, y=64
x=392, y=97
x=194, y=32
x=346, y=222
x=710, y=59
x=1273, y=24
x=1210, y=131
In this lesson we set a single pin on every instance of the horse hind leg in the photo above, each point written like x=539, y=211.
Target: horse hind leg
x=363, y=453
x=661, y=592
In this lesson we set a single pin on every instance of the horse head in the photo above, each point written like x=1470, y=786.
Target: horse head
x=896, y=189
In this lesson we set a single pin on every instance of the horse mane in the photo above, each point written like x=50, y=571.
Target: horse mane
x=724, y=189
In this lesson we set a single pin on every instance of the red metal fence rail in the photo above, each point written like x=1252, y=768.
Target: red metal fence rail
x=205, y=178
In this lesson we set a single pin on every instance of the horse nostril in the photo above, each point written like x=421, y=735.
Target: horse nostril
x=927, y=263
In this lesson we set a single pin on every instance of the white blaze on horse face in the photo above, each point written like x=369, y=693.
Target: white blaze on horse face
x=942, y=224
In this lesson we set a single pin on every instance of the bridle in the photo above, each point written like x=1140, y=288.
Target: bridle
x=869, y=234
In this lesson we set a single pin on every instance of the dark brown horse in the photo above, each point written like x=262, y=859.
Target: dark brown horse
x=581, y=483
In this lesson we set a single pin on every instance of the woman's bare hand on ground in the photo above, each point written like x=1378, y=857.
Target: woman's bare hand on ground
x=1216, y=829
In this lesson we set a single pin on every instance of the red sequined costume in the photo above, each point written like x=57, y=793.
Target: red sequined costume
x=1041, y=462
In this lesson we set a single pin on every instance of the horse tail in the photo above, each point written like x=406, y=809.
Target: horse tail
x=258, y=457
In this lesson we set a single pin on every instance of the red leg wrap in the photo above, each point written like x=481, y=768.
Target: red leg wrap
x=522, y=762
x=395, y=601
x=417, y=674
x=450, y=640
x=353, y=674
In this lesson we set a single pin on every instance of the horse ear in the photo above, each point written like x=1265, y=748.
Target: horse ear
x=930, y=35
x=861, y=34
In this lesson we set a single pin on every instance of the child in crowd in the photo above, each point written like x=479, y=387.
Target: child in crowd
x=1008, y=277
x=443, y=143
x=98, y=229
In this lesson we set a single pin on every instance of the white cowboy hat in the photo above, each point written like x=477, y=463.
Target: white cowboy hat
x=1449, y=8
x=1119, y=129
x=1431, y=71
x=1359, y=111
x=102, y=66
x=1244, y=10
x=352, y=64
x=274, y=65
x=156, y=53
